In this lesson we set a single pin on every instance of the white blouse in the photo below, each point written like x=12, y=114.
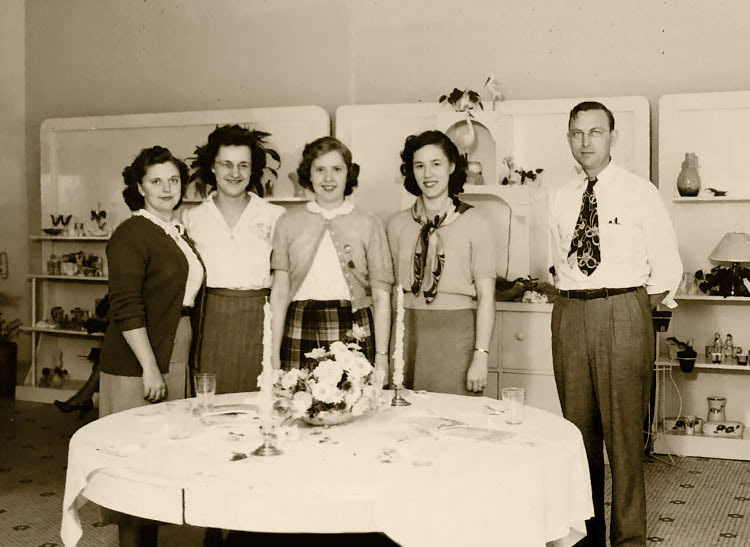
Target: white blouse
x=195, y=268
x=237, y=257
x=325, y=280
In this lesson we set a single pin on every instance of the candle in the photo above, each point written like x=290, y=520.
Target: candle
x=398, y=347
x=267, y=374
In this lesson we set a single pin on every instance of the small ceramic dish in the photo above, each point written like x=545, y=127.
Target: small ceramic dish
x=52, y=231
x=732, y=430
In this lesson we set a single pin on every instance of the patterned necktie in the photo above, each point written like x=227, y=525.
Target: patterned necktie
x=584, y=247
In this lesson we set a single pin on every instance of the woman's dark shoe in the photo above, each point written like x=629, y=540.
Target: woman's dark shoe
x=82, y=408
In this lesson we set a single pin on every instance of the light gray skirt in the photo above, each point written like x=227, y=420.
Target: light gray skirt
x=118, y=392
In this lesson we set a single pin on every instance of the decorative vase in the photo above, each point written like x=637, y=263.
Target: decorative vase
x=689, y=180
x=330, y=417
x=716, y=406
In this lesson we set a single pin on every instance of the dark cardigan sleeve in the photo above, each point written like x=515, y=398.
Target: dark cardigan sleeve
x=127, y=258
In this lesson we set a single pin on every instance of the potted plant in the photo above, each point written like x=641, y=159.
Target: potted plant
x=9, y=330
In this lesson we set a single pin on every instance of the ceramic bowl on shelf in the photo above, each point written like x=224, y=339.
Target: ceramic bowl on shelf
x=52, y=231
x=730, y=430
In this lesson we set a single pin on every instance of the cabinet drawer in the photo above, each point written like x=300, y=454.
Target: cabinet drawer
x=526, y=342
x=541, y=391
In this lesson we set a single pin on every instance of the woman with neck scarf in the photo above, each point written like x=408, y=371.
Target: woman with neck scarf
x=332, y=266
x=444, y=259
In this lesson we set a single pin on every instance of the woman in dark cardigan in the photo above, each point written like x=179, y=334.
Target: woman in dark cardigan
x=155, y=285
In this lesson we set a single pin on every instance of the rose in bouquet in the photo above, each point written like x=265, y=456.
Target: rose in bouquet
x=335, y=385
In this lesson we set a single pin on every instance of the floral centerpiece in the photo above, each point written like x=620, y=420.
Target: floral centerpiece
x=336, y=384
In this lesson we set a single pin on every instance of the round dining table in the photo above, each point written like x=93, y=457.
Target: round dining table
x=447, y=470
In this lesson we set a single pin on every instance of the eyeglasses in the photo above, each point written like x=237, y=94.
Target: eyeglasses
x=594, y=134
x=244, y=167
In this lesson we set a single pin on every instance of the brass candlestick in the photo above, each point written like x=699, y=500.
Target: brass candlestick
x=398, y=400
x=268, y=448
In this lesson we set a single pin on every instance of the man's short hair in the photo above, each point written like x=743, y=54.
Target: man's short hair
x=585, y=106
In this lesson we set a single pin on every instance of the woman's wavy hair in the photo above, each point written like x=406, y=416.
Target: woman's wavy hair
x=321, y=146
x=438, y=138
x=133, y=174
x=234, y=135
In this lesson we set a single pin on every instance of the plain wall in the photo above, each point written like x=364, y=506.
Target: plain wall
x=100, y=57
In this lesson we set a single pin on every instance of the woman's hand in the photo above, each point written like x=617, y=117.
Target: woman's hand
x=476, y=378
x=381, y=367
x=154, y=386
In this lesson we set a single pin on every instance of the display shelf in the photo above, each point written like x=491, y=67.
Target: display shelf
x=69, y=238
x=711, y=298
x=289, y=199
x=74, y=278
x=63, y=332
x=39, y=394
x=681, y=444
x=708, y=199
x=700, y=364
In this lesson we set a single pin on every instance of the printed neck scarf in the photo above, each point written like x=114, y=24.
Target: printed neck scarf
x=429, y=246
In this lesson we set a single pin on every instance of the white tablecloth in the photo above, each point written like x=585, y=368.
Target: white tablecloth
x=411, y=472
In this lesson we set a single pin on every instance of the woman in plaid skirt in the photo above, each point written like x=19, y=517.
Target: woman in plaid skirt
x=332, y=266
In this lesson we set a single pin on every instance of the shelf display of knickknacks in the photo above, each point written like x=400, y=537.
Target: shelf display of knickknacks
x=709, y=304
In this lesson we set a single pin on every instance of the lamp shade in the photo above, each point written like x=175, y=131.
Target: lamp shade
x=733, y=247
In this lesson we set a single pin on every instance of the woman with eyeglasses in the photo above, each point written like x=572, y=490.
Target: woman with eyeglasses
x=232, y=230
x=444, y=258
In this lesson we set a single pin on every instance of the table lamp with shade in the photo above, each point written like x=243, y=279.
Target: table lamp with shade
x=734, y=248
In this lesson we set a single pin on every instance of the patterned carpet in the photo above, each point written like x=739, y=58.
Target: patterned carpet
x=698, y=502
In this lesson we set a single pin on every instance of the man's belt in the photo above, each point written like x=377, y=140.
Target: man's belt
x=590, y=294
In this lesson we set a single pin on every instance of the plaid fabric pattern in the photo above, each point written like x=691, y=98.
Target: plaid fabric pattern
x=313, y=324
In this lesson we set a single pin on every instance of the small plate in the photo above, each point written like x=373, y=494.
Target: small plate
x=52, y=231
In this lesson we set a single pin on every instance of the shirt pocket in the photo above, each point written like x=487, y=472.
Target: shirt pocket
x=619, y=237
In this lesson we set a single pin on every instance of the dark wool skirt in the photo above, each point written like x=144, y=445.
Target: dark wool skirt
x=232, y=344
x=438, y=349
x=314, y=324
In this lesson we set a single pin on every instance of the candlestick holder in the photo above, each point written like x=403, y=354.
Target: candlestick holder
x=268, y=448
x=398, y=400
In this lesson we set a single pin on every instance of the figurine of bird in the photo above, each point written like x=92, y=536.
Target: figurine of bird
x=494, y=86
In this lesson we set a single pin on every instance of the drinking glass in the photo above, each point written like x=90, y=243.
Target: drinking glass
x=179, y=419
x=513, y=399
x=205, y=390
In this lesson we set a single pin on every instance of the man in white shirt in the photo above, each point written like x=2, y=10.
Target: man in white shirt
x=615, y=259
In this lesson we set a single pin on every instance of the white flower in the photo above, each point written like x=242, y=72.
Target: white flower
x=358, y=332
x=339, y=350
x=317, y=353
x=326, y=393
x=290, y=378
x=301, y=403
x=328, y=372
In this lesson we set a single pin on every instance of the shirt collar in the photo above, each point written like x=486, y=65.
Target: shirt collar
x=173, y=228
x=604, y=174
x=346, y=207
